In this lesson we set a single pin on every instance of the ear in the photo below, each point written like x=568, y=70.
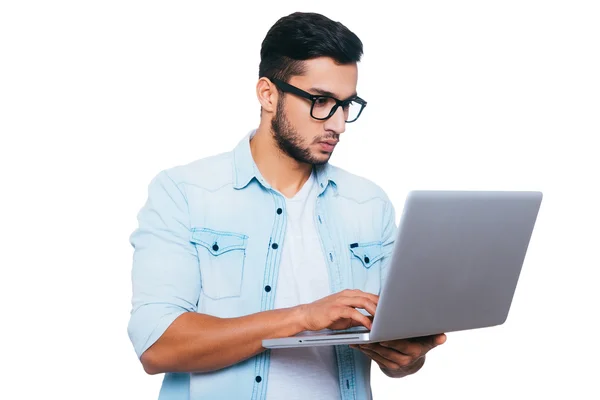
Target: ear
x=267, y=94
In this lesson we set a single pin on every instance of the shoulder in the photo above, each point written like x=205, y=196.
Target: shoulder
x=356, y=187
x=210, y=172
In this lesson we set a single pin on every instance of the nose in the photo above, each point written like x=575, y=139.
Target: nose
x=337, y=122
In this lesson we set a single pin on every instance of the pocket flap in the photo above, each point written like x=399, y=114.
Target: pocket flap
x=218, y=242
x=367, y=253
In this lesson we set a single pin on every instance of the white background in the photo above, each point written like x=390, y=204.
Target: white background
x=98, y=97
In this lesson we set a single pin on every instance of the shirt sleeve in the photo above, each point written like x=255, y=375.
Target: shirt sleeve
x=389, y=237
x=165, y=275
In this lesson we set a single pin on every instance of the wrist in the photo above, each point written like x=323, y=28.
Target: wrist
x=298, y=318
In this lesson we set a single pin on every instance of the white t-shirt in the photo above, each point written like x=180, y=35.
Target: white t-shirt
x=302, y=373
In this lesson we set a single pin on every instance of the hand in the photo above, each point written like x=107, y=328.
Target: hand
x=339, y=311
x=401, y=357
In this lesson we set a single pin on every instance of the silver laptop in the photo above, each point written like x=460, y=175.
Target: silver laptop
x=455, y=266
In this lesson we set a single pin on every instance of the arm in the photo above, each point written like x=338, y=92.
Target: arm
x=202, y=343
x=168, y=333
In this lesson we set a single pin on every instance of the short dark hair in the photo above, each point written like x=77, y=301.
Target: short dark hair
x=304, y=36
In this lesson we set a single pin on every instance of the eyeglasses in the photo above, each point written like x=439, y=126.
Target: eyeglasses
x=323, y=107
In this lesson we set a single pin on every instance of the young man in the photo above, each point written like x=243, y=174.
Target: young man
x=269, y=240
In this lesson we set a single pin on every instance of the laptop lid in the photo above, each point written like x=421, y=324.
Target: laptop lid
x=456, y=262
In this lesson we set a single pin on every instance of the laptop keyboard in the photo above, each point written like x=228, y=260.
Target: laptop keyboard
x=329, y=332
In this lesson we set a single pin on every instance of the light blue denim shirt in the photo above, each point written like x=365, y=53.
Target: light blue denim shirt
x=207, y=242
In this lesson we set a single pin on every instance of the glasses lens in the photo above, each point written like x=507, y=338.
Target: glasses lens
x=323, y=106
x=352, y=111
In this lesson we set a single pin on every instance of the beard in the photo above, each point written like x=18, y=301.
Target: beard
x=289, y=140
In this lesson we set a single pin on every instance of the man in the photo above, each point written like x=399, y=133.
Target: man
x=269, y=240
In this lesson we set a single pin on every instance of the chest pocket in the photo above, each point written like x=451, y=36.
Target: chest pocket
x=221, y=256
x=365, y=261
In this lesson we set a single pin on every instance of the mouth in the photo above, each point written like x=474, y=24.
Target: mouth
x=328, y=145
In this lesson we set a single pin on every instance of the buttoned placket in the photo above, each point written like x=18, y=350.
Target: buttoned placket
x=263, y=360
x=344, y=355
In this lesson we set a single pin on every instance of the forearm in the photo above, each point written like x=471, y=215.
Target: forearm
x=200, y=343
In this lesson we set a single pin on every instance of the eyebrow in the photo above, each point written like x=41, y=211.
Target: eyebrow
x=328, y=93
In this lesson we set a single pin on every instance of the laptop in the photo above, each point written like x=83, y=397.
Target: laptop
x=455, y=266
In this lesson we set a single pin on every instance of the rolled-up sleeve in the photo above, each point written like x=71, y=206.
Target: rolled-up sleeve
x=165, y=276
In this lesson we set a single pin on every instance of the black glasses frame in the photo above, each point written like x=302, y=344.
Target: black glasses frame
x=286, y=87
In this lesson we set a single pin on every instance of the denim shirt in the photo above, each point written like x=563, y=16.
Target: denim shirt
x=209, y=240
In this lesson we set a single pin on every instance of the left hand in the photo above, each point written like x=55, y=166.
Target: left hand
x=403, y=356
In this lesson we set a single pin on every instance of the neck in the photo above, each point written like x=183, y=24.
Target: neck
x=284, y=174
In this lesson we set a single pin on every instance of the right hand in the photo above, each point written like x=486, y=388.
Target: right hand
x=339, y=311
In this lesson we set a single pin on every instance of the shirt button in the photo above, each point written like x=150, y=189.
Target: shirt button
x=215, y=247
x=267, y=288
x=258, y=379
x=275, y=246
x=367, y=260
x=279, y=211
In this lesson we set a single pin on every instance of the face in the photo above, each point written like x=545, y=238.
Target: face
x=297, y=134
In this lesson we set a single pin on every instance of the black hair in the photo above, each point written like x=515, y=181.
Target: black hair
x=304, y=36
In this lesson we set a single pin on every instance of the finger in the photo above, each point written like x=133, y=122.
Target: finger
x=429, y=342
x=360, y=302
x=415, y=346
x=356, y=323
x=381, y=360
x=405, y=346
x=359, y=293
x=352, y=313
x=390, y=354
x=440, y=339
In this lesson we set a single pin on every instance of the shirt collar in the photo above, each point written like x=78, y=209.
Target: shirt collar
x=245, y=169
